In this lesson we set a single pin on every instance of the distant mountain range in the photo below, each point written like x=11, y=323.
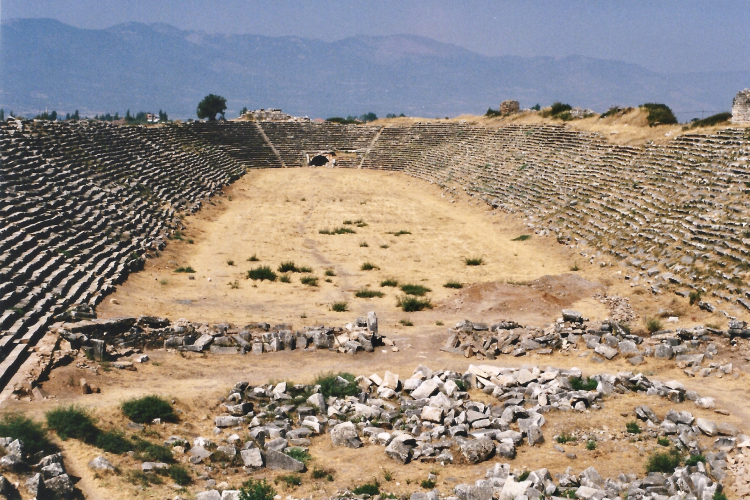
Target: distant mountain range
x=45, y=64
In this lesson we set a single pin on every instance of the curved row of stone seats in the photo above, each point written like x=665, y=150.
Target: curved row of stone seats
x=243, y=141
x=80, y=204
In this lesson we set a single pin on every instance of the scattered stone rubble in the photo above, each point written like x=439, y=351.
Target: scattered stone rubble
x=430, y=417
x=44, y=477
x=689, y=347
x=121, y=337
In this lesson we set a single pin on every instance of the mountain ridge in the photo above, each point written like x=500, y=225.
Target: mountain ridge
x=47, y=64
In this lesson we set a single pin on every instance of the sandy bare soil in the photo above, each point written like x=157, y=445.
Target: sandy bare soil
x=276, y=215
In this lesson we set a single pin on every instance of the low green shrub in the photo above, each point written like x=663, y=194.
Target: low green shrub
x=524, y=475
x=340, y=306
x=406, y=322
x=144, y=410
x=453, y=284
x=179, y=475
x=299, y=454
x=694, y=297
x=418, y=290
x=18, y=426
x=693, y=460
x=633, y=427
x=389, y=282
x=330, y=272
x=653, y=325
x=659, y=114
x=285, y=278
x=474, y=261
x=368, y=266
x=371, y=489
x=261, y=273
x=309, y=280
x=287, y=267
x=523, y=237
x=590, y=445
x=187, y=269
x=72, y=422
x=564, y=437
x=663, y=461
x=409, y=303
x=583, y=384
x=663, y=441
x=712, y=120
x=428, y=484
x=365, y=293
x=363, y=244
x=254, y=489
x=291, y=480
x=559, y=108
x=330, y=386
x=253, y=258
x=113, y=442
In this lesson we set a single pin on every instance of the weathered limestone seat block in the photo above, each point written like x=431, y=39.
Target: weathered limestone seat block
x=741, y=107
x=80, y=204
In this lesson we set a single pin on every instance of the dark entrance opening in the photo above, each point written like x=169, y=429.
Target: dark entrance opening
x=318, y=161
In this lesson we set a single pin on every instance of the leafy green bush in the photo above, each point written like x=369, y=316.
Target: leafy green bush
x=663, y=441
x=144, y=410
x=261, y=273
x=113, y=442
x=653, y=325
x=633, y=427
x=179, y=475
x=581, y=384
x=590, y=445
x=318, y=473
x=365, y=293
x=72, y=422
x=693, y=460
x=187, y=269
x=418, y=290
x=524, y=476
x=150, y=452
x=659, y=114
x=453, y=284
x=18, y=426
x=287, y=267
x=409, y=303
x=474, y=261
x=340, y=306
x=330, y=386
x=290, y=480
x=712, y=120
x=719, y=495
x=371, y=489
x=368, y=266
x=663, y=461
x=257, y=490
x=389, y=282
x=559, y=108
x=694, y=297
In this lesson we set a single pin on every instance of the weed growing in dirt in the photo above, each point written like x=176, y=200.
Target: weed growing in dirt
x=291, y=480
x=575, y=267
x=261, y=273
x=299, y=454
x=365, y=293
x=453, y=284
x=694, y=297
x=330, y=385
x=230, y=262
x=140, y=478
x=363, y=244
x=187, y=269
x=234, y=285
x=144, y=410
x=418, y=290
x=340, y=307
x=330, y=272
x=406, y=322
x=693, y=460
x=653, y=325
x=257, y=490
x=338, y=230
x=524, y=476
x=285, y=278
x=428, y=484
x=387, y=475
x=399, y=233
x=662, y=441
x=368, y=266
x=412, y=304
x=309, y=280
x=18, y=426
x=389, y=282
x=474, y=261
x=253, y=258
x=384, y=246
x=180, y=475
x=581, y=384
x=633, y=427
x=565, y=438
x=438, y=323
x=591, y=445
x=371, y=489
x=72, y=422
x=113, y=442
x=163, y=282
x=663, y=461
x=523, y=237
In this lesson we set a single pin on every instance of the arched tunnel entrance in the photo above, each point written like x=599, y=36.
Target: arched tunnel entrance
x=318, y=161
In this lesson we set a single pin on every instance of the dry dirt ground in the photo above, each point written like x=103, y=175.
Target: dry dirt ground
x=276, y=215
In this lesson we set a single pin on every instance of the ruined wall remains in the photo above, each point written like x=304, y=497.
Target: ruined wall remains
x=509, y=107
x=741, y=107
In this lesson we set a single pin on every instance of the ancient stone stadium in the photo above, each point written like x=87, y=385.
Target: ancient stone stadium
x=511, y=307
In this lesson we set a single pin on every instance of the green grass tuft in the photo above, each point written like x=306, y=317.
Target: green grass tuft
x=299, y=454
x=389, y=282
x=254, y=489
x=330, y=272
x=581, y=384
x=418, y=290
x=411, y=304
x=309, y=280
x=253, y=258
x=406, y=322
x=453, y=284
x=331, y=386
x=371, y=489
x=180, y=475
x=663, y=461
x=565, y=438
x=633, y=427
x=474, y=261
x=187, y=269
x=591, y=445
x=285, y=278
x=368, y=266
x=653, y=325
x=261, y=273
x=340, y=306
x=366, y=293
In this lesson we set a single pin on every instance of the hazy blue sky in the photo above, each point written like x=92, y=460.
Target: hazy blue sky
x=669, y=36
